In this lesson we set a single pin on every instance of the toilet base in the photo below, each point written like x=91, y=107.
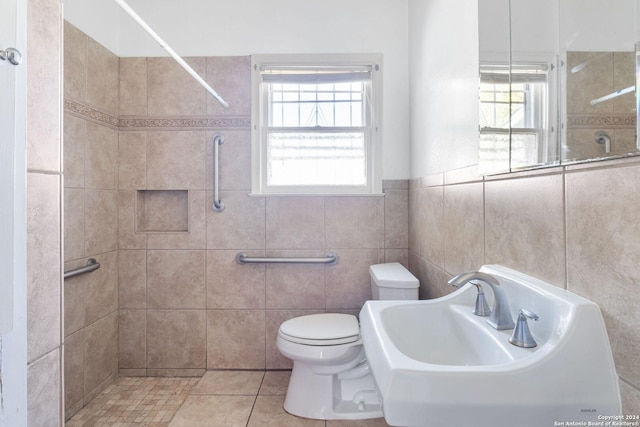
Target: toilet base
x=327, y=397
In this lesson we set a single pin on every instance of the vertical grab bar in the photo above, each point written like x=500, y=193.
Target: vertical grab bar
x=218, y=206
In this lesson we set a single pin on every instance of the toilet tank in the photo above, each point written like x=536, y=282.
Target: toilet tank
x=391, y=281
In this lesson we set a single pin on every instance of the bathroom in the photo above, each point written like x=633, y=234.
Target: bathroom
x=437, y=216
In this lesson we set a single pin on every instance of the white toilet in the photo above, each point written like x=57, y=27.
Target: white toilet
x=330, y=377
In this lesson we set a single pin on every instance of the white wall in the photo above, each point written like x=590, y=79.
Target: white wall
x=244, y=27
x=98, y=18
x=443, y=52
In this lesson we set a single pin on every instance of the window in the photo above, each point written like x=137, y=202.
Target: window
x=315, y=125
x=513, y=115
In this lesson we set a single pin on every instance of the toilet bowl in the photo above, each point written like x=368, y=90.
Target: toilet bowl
x=330, y=378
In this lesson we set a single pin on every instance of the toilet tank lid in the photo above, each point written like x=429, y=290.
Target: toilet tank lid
x=393, y=275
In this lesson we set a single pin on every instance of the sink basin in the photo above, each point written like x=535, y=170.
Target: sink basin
x=461, y=338
x=436, y=364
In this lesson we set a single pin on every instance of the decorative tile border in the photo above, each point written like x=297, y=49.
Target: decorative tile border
x=622, y=121
x=193, y=123
x=90, y=113
x=132, y=123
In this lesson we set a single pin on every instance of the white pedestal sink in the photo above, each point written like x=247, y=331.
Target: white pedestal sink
x=435, y=364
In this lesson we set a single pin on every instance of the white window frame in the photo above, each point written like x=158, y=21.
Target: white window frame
x=259, y=117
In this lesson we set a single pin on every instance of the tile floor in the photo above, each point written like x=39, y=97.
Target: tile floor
x=219, y=398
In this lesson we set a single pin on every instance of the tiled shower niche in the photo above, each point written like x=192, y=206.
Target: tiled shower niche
x=159, y=211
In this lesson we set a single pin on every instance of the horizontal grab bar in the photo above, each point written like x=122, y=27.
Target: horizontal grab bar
x=91, y=265
x=331, y=259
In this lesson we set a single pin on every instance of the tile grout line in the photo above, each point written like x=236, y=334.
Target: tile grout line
x=255, y=400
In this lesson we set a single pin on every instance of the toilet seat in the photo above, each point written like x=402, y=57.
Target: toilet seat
x=321, y=329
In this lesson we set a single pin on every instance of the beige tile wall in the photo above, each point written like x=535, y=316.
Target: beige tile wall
x=184, y=304
x=575, y=227
x=91, y=78
x=184, y=291
x=44, y=218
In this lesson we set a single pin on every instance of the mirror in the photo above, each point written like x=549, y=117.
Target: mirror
x=557, y=82
x=494, y=55
x=598, y=44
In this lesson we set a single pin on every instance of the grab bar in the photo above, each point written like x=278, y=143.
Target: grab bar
x=331, y=259
x=218, y=206
x=91, y=265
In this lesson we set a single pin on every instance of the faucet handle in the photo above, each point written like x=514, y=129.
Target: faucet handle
x=528, y=313
x=521, y=336
x=482, y=308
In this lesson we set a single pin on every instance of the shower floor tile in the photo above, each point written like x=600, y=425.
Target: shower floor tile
x=219, y=398
x=135, y=401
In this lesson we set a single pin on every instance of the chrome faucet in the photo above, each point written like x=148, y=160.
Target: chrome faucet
x=501, y=315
